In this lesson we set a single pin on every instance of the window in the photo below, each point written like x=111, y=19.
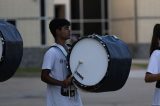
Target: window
x=75, y=26
x=75, y=14
x=92, y=9
x=90, y=28
x=89, y=16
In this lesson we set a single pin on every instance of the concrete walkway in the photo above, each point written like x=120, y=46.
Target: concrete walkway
x=30, y=91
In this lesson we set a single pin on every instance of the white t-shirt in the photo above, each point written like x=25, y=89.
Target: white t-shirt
x=55, y=60
x=154, y=68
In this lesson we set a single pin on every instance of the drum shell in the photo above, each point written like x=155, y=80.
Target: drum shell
x=12, y=50
x=118, y=66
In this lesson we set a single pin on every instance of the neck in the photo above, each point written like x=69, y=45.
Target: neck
x=60, y=42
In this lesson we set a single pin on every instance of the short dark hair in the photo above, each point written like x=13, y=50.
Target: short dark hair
x=57, y=23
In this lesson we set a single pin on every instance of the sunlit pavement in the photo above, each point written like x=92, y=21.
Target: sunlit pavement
x=30, y=91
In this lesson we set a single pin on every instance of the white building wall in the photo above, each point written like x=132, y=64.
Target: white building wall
x=19, y=8
x=30, y=32
x=122, y=19
x=148, y=9
x=122, y=8
x=22, y=10
x=49, y=13
x=133, y=20
x=27, y=15
x=121, y=15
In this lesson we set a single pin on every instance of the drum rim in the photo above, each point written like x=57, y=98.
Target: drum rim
x=6, y=66
x=82, y=86
x=89, y=88
x=3, y=44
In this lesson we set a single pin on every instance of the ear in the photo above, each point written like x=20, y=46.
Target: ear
x=58, y=30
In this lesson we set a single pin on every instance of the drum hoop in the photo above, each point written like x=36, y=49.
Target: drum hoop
x=92, y=88
x=69, y=69
x=3, y=47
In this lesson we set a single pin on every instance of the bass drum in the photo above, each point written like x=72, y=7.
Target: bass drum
x=99, y=63
x=11, y=50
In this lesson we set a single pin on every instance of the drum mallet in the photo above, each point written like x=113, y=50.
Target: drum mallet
x=76, y=70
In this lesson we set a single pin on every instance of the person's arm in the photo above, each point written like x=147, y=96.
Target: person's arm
x=149, y=77
x=49, y=80
x=152, y=74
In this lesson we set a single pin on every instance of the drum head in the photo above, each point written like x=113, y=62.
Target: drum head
x=93, y=59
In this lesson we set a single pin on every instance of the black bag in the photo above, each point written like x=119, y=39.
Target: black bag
x=158, y=84
x=69, y=91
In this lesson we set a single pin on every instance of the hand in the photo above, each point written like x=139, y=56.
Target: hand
x=67, y=82
x=158, y=76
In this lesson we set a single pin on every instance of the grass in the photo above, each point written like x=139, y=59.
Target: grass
x=139, y=66
x=34, y=71
x=31, y=71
